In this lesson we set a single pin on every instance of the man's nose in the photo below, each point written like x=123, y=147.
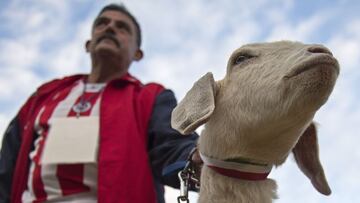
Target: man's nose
x=110, y=28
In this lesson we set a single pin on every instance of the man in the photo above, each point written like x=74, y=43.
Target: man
x=102, y=137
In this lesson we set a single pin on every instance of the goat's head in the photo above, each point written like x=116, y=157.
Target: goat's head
x=264, y=104
x=277, y=80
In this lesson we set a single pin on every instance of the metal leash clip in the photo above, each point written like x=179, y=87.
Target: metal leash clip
x=184, y=187
x=187, y=175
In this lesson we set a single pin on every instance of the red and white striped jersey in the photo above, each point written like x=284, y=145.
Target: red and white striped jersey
x=63, y=182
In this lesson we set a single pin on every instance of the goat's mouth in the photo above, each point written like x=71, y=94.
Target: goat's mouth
x=323, y=60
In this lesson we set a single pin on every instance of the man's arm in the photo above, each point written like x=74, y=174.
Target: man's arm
x=168, y=149
x=8, y=155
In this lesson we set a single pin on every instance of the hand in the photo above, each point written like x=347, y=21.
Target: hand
x=196, y=157
x=197, y=165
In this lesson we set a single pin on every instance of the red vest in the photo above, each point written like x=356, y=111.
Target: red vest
x=124, y=172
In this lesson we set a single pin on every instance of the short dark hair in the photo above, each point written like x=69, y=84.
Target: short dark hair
x=122, y=9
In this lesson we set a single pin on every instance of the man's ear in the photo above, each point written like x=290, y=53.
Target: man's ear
x=87, y=46
x=139, y=54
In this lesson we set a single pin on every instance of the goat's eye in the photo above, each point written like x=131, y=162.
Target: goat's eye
x=242, y=58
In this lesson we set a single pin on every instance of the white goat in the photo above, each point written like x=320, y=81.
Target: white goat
x=260, y=112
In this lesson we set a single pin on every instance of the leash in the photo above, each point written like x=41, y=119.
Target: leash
x=188, y=176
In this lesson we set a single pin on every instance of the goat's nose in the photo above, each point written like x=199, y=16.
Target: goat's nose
x=319, y=49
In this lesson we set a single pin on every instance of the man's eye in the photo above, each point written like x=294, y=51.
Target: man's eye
x=241, y=58
x=124, y=27
x=100, y=22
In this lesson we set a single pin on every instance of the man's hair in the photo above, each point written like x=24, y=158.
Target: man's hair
x=122, y=9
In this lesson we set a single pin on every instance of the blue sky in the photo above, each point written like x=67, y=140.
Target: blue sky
x=44, y=39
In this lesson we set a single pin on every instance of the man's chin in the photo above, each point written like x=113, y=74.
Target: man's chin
x=107, y=50
x=107, y=44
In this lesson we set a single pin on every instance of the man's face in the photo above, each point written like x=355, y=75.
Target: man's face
x=114, y=33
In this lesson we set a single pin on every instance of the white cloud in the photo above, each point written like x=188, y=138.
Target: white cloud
x=298, y=32
x=33, y=27
x=18, y=54
x=16, y=82
x=34, y=16
x=346, y=46
x=71, y=57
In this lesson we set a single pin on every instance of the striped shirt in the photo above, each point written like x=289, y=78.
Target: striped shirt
x=63, y=182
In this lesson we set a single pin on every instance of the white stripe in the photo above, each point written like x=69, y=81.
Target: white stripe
x=64, y=107
x=96, y=108
x=94, y=87
x=48, y=172
x=90, y=176
x=243, y=167
x=87, y=197
x=37, y=121
x=91, y=170
x=51, y=182
x=29, y=195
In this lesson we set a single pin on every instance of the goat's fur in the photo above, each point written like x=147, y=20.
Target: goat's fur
x=261, y=111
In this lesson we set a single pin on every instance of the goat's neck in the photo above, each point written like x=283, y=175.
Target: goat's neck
x=216, y=188
x=238, y=168
x=269, y=143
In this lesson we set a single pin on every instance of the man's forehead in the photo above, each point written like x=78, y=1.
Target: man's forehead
x=115, y=15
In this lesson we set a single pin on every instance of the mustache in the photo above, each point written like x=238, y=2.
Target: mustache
x=108, y=36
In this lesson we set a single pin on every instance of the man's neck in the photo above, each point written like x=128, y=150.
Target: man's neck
x=99, y=77
x=105, y=72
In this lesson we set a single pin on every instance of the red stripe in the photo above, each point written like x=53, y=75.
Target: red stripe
x=71, y=176
x=240, y=174
x=37, y=183
x=93, y=100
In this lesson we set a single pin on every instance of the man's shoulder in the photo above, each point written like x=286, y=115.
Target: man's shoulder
x=57, y=82
x=153, y=85
x=45, y=89
x=149, y=87
x=152, y=88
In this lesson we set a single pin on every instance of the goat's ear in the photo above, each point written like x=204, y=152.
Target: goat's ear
x=306, y=153
x=196, y=107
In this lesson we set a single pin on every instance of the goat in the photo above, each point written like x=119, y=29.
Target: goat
x=255, y=116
